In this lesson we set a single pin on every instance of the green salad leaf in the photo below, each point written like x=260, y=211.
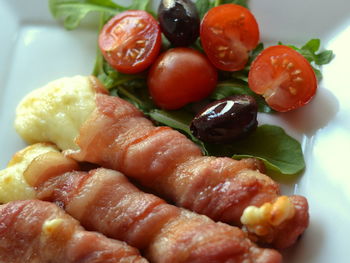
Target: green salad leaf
x=73, y=11
x=135, y=92
x=311, y=51
x=237, y=2
x=179, y=120
x=255, y=52
x=109, y=76
x=238, y=87
x=280, y=152
x=203, y=6
x=141, y=5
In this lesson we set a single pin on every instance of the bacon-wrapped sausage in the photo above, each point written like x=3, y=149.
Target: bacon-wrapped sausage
x=37, y=231
x=105, y=201
x=116, y=135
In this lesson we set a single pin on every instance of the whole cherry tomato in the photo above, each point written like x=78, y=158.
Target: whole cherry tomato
x=228, y=33
x=180, y=76
x=130, y=41
x=284, y=77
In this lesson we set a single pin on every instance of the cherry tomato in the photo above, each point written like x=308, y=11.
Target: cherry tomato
x=228, y=32
x=180, y=76
x=284, y=77
x=130, y=41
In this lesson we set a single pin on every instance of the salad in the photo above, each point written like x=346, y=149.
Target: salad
x=194, y=55
x=173, y=68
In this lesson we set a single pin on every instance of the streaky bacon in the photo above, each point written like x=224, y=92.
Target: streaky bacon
x=24, y=237
x=119, y=137
x=104, y=200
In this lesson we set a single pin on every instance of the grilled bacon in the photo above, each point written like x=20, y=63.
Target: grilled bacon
x=104, y=200
x=37, y=231
x=119, y=137
x=116, y=135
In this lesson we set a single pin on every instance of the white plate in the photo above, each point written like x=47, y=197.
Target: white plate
x=35, y=50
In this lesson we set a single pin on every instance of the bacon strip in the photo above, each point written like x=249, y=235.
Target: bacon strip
x=104, y=200
x=119, y=137
x=37, y=231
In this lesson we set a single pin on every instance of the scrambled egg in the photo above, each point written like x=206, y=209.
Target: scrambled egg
x=13, y=186
x=56, y=111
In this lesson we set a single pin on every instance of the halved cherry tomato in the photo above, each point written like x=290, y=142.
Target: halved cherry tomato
x=228, y=32
x=130, y=41
x=180, y=76
x=284, y=77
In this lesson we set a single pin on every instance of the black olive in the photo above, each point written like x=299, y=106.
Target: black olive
x=179, y=21
x=226, y=120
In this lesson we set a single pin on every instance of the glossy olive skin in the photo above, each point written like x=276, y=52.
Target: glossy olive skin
x=226, y=120
x=179, y=21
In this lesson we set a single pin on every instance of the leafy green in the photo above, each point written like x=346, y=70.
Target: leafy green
x=311, y=51
x=109, y=76
x=269, y=143
x=176, y=119
x=73, y=11
x=203, y=6
x=280, y=152
x=237, y=2
x=255, y=52
x=179, y=120
x=141, y=5
x=237, y=87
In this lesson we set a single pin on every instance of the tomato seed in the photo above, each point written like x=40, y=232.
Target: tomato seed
x=296, y=72
x=298, y=79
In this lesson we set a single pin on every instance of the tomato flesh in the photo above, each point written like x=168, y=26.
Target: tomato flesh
x=284, y=77
x=130, y=41
x=228, y=33
x=180, y=76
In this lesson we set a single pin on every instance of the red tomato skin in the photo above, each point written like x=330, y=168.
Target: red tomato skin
x=180, y=76
x=228, y=33
x=130, y=41
x=284, y=77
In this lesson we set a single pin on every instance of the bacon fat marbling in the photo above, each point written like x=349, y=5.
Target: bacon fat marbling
x=37, y=231
x=113, y=133
x=104, y=200
x=119, y=137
